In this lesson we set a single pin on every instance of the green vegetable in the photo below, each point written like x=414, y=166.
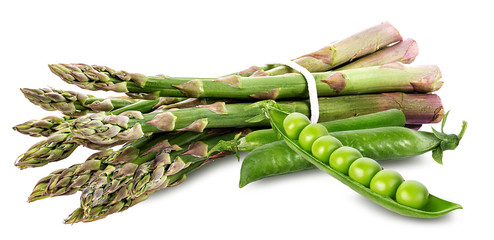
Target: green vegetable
x=343, y=157
x=324, y=146
x=434, y=206
x=52, y=124
x=294, y=124
x=310, y=134
x=393, y=77
x=379, y=143
x=346, y=50
x=72, y=103
x=412, y=193
x=386, y=182
x=404, y=51
x=61, y=142
x=363, y=170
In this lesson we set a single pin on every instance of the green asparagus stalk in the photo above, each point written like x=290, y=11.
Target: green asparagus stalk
x=117, y=192
x=109, y=130
x=72, y=103
x=346, y=50
x=49, y=125
x=384, y=78
x=405, y=52
x=62, y=143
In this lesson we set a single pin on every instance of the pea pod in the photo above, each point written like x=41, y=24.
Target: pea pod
x=434, y=206
x=377, y=143
x=392, y=117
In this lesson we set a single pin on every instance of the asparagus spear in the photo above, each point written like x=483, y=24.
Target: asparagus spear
x=115, y=192
x=107, y=130
x=52, y=124
x=62, y=143
x=346, y=50
x=384, y=78
x=405, y=52
x=72, y=103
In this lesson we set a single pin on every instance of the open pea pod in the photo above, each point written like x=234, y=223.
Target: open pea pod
x=435, y=207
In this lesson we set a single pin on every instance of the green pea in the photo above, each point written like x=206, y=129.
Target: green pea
x=310, y=134
x=324, y=146
x=386, y=182
x=294, y=123
x=342, y=158
x=412, y=193
x=363, y=170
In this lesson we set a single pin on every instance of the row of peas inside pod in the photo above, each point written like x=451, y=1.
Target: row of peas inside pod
x=314, y=138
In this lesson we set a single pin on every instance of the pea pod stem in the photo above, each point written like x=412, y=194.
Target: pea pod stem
x=435, y=206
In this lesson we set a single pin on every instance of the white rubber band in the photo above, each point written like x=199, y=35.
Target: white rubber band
x=311, y=87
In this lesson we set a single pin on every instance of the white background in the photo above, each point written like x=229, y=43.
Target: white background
x=211, y=38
